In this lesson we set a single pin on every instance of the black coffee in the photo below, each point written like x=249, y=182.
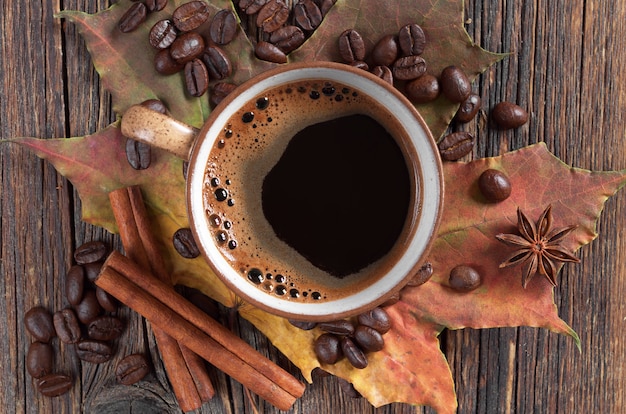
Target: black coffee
x=339, y=195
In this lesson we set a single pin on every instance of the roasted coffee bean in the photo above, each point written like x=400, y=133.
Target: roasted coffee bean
x=272, y=15
x=468, y=109
x=223, y=27
x=39, y=359
x=327, y=348
x=219, y=91
x=348, y=389
x=38, y=322
x=189, y=16
x=494, y=185
x=90, y=252
x=185, y=244
x=155, y=105
x=384, y=73
x=138, y=154
x=325, y=5
x=464, y=278
x=88, y=309
x=105, y=328
x=187, y=47
x=423, y=89
x=287, y=38
x=409, y=67
x=196, y=78
x=108, y=302
x=412, y=39
x=163, y=34
x=67, y=326
x=155, y=5
x=269, y=52
x=165, y=64
x=307, y=15
x=217, y=63
x=96, y=352
x=305, y=326
x=454, y=84
x=508, y=115
x=385, y=51
x=422, y=276
x=53, y=385
x=341, y=327
x=368, y=338
x=351, y=46
x=456, y=145
x=92, y=270
x=75, y=284
x=391, y=300
x=376, y=318
x=251, y=6
x=359, y=64
x=353, y=353
x=133, y=18
x=131, y=369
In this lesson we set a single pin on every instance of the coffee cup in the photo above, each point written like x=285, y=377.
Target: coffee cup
x=314, y=191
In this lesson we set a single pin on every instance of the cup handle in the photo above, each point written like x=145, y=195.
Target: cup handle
x=162, y=131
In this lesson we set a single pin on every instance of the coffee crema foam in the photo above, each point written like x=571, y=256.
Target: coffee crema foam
x=250, y=145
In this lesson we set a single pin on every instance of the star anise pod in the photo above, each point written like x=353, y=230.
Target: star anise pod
x=538, y=246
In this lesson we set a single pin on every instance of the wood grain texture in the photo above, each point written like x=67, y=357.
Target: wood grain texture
x=566, y=67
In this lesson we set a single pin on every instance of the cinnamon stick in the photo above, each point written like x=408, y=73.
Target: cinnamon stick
x=175, y=325
x=198, y=372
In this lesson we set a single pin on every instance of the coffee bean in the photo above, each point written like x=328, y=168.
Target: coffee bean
x=88, y=309
x=269, y=52
x=38, y=322
x=108, y=302
x=325, y=5
x=409, y=67
x=223, y=27
x=165, y=64
x=359, y=64
x=287, y=38
x=217, y=63
x=353, y=353
x=92, y=270
x=39, y=359
x=75, y=284
x=307, y=15
x=185, y=244
x=348, y=389
x=423, y=89
x=508, y=115
x=327, y=348
x=251, y=6
x=305, y=326
x=464, y=278
x=67, y=326
x=219, y=91
x=351, y=46
x=155, y=5
x=468, y=108
x=422, y=276
x=53, y=385
x=454, y=84
x=376, y=318
x=341, y=327
x=196, y=78
x=96, y=352
x=163, y=34
x=189, y=16
x=494, y=185
x=133, y=18
x=105, y=328
x=385, y=51
x=90, y=252
x=155, y=105
x=138, y=154
x=272, y=15
x=456, y=145
x=384, y=73
x=187, y=47
x=368, y=338
x=412, y=39
x=132, y=369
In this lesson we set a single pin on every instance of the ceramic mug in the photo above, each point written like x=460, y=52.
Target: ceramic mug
x=246, y=136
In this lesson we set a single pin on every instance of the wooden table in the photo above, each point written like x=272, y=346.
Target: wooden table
x=566, y=68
